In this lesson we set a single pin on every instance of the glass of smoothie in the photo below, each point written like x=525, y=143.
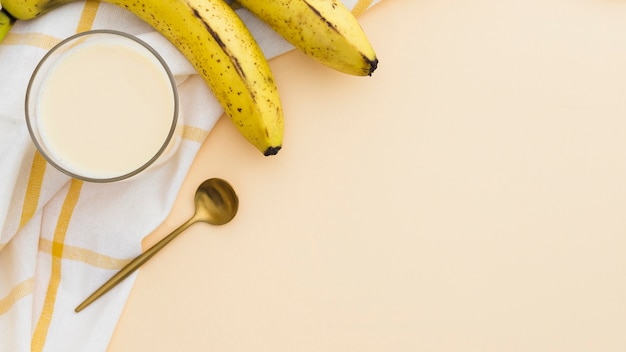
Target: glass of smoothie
x=102, y=106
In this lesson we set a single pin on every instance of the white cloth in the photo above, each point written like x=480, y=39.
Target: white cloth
x=60, y=239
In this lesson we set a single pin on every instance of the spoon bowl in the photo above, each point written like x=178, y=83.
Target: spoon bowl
x=216, y=203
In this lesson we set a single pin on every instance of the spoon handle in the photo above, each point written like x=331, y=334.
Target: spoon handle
x=134, y=265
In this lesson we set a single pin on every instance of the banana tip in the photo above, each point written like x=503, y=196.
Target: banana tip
x=272, y=150
x=373, y=66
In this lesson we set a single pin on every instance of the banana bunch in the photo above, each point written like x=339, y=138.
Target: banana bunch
x=210, y=34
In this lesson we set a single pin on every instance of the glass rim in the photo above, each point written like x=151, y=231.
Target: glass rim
x=144, y=166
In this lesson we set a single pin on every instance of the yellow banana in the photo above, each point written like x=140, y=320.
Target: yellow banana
x=215, y=40
x=6, y=22
x=323, y=29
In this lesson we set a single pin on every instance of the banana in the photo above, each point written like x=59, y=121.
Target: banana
x=6, y=23
x=215, y=40
x=323, y=29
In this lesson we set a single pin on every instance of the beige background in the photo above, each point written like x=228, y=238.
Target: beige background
x=470, y=196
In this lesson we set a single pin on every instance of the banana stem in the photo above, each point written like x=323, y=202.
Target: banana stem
x=6, y=22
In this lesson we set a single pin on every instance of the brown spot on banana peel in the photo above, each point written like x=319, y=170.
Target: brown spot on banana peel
x=318, y=14
x=221, y=43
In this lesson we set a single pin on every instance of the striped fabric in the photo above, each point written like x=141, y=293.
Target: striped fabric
x=61, y=238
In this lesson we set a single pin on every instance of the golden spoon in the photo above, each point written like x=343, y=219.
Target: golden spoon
x=216, y=203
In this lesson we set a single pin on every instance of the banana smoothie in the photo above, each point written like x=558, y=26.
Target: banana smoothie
x=105, y=108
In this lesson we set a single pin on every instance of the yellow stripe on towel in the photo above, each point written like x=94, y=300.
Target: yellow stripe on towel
x=33, y=190
x=43, y=324
x=194, y=134
x=18, y=292
x=87, y=16
x=38, y=40
x=361, y=6
x=85, y=255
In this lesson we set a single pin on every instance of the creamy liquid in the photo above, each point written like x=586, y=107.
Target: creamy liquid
x=105, y=109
